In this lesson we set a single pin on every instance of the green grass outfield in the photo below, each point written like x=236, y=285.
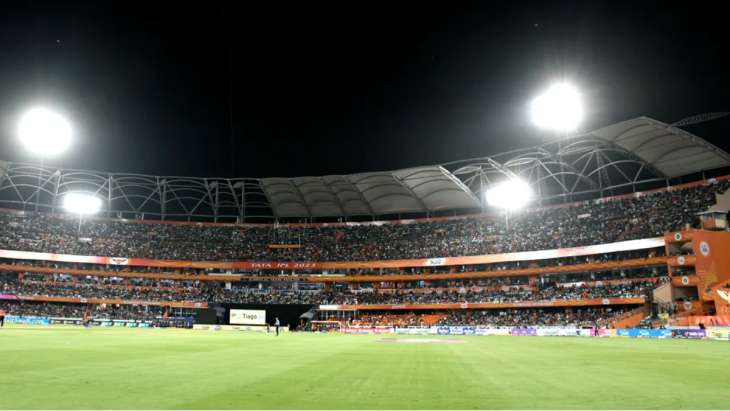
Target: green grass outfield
x=75, y=368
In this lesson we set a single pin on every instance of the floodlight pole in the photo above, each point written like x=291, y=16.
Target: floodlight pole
x=40, y=183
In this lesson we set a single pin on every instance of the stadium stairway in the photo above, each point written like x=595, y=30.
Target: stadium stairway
x=633, y=317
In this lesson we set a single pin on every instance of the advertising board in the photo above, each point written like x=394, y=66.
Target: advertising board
x=27, y=319
x=524, y=331
x=718, y=333
x=643, y=333
x=248, y=317
x=689, y=333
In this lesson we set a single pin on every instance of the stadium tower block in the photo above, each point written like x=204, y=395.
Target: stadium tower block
x=699, y=264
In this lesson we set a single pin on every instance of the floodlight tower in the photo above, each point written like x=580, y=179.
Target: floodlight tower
x=510, y=195
x=559, y=109
x=44, y=133
x=81, y=204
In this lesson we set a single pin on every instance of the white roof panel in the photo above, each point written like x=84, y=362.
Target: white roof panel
x=672, y=151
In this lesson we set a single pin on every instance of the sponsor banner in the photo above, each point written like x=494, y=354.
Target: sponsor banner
x=27, y=319
x=587, y=332
x=424, y=262
x=254, y=328
x=559, y=332
x=519, y=304
x=688, y=333
x=248, y=317
x=70, y=321
x=643, y=333
x=415, y=330
x=8, y=297
x=443, y=330
x=102, y=322
x=491, y=331
x=718, y=333
x=606, y=332
x=118, y=261
x=368, y=330
x=452, y=330
x=456, y=330
x=432, y=262
x=524, y=331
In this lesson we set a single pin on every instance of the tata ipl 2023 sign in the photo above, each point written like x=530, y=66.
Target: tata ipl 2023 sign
x=248, y=317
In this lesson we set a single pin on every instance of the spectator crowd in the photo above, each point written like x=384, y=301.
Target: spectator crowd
x=579, y=317
x=516, y=317
x=594, y=222
x=642, y=216
x=63, y=310
x=215, y=292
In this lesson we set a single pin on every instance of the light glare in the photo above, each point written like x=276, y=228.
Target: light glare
x=511, y=194
x=44, y=132
x=559, y=108
x=81, y=203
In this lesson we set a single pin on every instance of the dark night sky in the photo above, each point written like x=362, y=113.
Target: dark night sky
x=344, y=87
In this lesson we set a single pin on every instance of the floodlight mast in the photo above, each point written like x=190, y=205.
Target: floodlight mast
x=509, y=195
x=559, y=108
x=81, y=204
x=44, y=133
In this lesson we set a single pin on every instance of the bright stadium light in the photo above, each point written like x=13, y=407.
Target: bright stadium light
x=81, y=203
x=512, y=194
x=44, y=132
x=559, y=108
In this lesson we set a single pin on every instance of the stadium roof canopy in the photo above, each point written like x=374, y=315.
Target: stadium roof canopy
x=624, y=156
x=413, y=190
x=670, y=150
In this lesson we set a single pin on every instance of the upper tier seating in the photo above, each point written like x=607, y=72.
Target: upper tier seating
x=649, y=215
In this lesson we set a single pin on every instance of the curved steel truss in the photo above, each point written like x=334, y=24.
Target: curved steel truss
x=621, y=156
x=33, y=187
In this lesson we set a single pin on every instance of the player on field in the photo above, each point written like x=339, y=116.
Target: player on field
x=2, y=317
x=276, y=324
x=87, y=318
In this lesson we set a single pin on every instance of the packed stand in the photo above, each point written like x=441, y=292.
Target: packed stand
x=645, y=216
x=64, y=310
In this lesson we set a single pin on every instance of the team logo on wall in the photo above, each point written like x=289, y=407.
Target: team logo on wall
x=680, y=260
x=685, y=280
x=435, y=261
x=704, y=248
x=606, y=301
x=725, y=295
x=677, y=236
x=688, y=305
x=119, y=261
